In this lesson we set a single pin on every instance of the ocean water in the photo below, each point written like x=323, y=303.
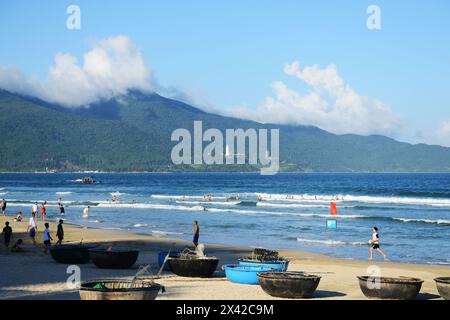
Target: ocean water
x=412, y=211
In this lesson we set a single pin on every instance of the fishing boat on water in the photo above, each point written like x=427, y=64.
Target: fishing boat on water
x=88, y=180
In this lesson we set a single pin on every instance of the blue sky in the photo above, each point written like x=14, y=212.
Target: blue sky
x=228, y=54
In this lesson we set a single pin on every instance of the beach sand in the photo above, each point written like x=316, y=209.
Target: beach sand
x=34, y=275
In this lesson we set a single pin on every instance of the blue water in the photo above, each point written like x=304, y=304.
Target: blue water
x=411, y=210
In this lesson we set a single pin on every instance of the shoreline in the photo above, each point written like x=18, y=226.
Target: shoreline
x=34, y=275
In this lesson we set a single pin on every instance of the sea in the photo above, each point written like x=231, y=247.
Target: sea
x=283, y=211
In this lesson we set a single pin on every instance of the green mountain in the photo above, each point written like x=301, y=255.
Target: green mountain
x=132, y=133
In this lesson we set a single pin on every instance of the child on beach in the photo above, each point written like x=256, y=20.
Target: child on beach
x=60, y=232
x=47, y=237
x=375, y=244
x=7, y=234
x=18, y=217
x=17, y=247
x=32, y=228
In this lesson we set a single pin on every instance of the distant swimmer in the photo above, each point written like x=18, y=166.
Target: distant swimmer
x=114, y=198
x=61, y=209
x=86, y=212
x=375, y=244
x=259, y=198
x=4, y=208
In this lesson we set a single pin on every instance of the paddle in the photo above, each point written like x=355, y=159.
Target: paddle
x=165, y=260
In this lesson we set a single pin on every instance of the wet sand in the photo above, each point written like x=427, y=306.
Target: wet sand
x=34, y=275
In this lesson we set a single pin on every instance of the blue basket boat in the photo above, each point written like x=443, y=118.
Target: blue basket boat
x=276, y=265
x=162, y=255
x=244, y=274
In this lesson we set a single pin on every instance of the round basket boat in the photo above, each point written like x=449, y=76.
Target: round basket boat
x=115, y=289
x=196, y=267
x=113, y=259
x=71, y=253
x=443, y=286
x=293, y=285
x=244, y=274
x=276, y=265
x=402, y=288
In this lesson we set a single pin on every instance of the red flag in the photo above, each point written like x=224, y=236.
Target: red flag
x=333, y=209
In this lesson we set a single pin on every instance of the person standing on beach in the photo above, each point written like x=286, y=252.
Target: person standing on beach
x=43, y=210
x=32, y=228
x=34, y=209
x=4, y=208
x=60, y=232
x=375, y=244
x=196, y=233
x=7, y=234
x=47, y=237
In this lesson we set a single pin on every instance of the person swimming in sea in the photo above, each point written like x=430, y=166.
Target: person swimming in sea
x=375, y=244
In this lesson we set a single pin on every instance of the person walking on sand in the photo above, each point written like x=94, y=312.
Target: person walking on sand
x=47, y=237
x=375, y=244
x=196, y=233
x=7, y=234
x=4, y=208
x=32, y=228
x=43, y=210
x=60, y=232
x=34, y=209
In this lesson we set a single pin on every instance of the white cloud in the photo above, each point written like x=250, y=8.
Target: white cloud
x=113, y=66
x=443, y=133
x=330, y=104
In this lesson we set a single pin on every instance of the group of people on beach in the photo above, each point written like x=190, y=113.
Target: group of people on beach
x=32, y=230
x=32, y=227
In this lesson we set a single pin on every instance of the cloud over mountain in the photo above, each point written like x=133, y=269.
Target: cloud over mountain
x=113, y=66
x=330, y=104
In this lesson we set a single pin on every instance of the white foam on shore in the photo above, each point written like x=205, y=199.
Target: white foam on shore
x=148, y=206
x=219, y=203
x=353, y=198
x=305, y=215
x=164, y=233
x=437, y=221
x=332, y=242
x=157, y=196
x=281, y=205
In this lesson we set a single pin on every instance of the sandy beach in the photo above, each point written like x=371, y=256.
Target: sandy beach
x=34, y=275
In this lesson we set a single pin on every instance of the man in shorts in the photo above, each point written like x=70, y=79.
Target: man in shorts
x=375, y=244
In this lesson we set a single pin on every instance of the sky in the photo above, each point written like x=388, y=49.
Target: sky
x=297, y=62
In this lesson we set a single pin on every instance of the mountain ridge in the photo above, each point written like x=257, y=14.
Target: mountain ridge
x=132, y=133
